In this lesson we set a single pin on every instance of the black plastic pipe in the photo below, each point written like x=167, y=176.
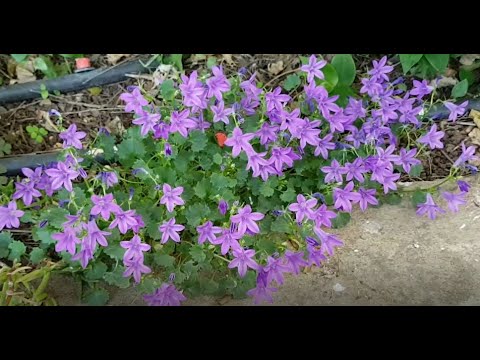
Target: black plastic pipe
x=440, y=112
x=74, y=82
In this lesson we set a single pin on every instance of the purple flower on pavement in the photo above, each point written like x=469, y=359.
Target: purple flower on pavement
x=262, y=292
x=62, y=176
x=463, y=186
x=367, y=196
x=134, y=101
x=170, y=230
x=275, y=99
x=9, y=216
x=228, y=240
x=67, y=240
x=136, y=267
x=456, y=110
x=72, y=137
x=454, y=200
x=240, y=141
x=324, y=145
x=217, y=84
x=388, y=182
x=166, y=295
x=171, y=197
x=243, y=260
x=302, y=208
x=334, y=172
x=26, y=191
x=380, y=69
x=406, y=158
x=34, y=176
x=467, y=154
x=344, y=197
x=267, y=133
x=432, y=138
x=180, y=122
x=135, y=248
x=275, y=270
x=104, y=205
x=147, y=122
x=124, y=220
x=430, y=208
x=222, y=207
x=313, y=68
x=421, y=88
x=245, y=219
x=95, y=235
x=109, y=178
x=322, y=216
x=207, y=232
x=329, y=241
x=355, y=170
x=295, y=260
x=220, y=113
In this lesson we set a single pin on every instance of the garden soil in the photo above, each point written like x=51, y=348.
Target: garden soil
x=390, y=257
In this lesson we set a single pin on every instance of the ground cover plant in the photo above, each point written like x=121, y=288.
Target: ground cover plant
x=224, y=185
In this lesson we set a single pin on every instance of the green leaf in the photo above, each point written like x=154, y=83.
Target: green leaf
x=341, y=220
x=116, y=278
x=438, y=61
x=43, y=235
x=419, y=197
x=281, y=225
x=5, y=148
x=289, y=195
x=37, y=255
x=291, y=82
x=106, y=143
x=201, y=187
x=212, y=61
x=72, y=56
x=460, y=89
x=416, y=170
x=96, y=272
x=267, y=245
x=217, y=159
x=167, y=89
x=197, y=253
x=345, y=67
x=116, y=252
x=343, y=91
x=163, y=260
x=129, y=150
x=40, y=64
x=19, y=57
x=392, y=198
x=266, y=190
x=57, y=216
x=409, y=60
x=176, y=60
x=17, y=249
x=219, y=181
x=199, y=141
x=195, y=213
x=331, y=77
x=5, y=241
x=467, y=75
x=97, y=297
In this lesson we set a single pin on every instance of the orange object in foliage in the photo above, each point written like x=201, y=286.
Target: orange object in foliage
x=221, y=138
x=82, y=63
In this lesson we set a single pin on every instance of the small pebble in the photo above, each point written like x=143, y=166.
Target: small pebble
x=338, y=288
x=476, y=260
x=416, y=246
x=355, y=250
x=461, y=227
x=442, y=248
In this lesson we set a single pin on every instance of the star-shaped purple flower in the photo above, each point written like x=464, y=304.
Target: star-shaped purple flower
x=313, y=68
x=302, y=208
x=170, y=230
x=135, y=248
x=66, y=241
x=147, y=121
x=432, y=138
x=455, y=110
x=207, y=231
x=245, y=219
x=9, y=216
x=243, y=260
x=26, y=192
x=104, y=205
x=125, y=220
x=62, y=176
x=166, y=295
x=171, y=197
x=72, y=137
x=430, y=208
x=239, y=141
x=454, y=200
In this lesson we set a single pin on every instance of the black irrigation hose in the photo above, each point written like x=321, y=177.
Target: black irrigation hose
x=440, y=112
x=73, y=82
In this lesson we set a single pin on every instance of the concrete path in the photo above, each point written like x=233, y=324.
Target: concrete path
x=391, y=257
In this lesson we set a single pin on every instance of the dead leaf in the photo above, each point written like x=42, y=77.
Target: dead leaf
x=475, y=136
x=25, y=72
x=115, y=126
x=44, y=119
x=222, y=301
x=446, y=81
x=95, y=91
x=475, y=115
x=228, y=58
x=276, y=68
x=469, y=59
x=450, y=73
x=114, y=58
